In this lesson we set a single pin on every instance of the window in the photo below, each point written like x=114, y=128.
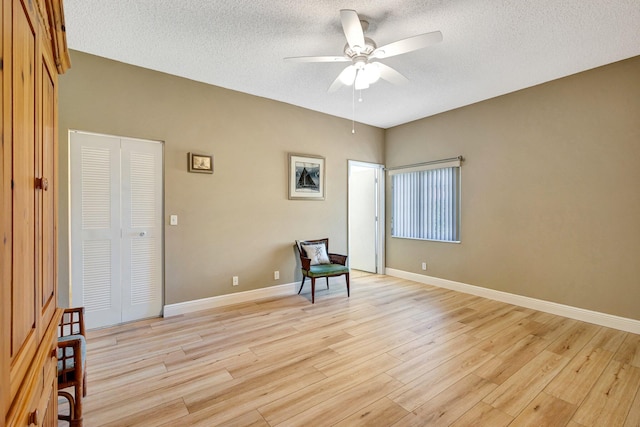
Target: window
x=426, y=202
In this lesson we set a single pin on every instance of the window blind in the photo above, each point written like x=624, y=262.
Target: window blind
x=426, y=203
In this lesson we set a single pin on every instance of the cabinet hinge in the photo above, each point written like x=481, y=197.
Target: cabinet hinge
x=1, y=64
x=12, y=184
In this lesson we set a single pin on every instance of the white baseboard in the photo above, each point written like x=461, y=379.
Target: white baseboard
x=602, y=319
x=235, y=298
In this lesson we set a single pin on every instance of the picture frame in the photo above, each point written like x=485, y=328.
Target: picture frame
x=306, y=177
x=200, y=163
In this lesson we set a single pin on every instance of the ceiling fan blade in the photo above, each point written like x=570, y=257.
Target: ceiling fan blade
x=392, y=76
x=407, y=45
x=317, y=59
x=348, y=74
x=337, y=84
x=352, y=29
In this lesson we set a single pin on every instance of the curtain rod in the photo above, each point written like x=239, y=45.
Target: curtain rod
x=426, y=163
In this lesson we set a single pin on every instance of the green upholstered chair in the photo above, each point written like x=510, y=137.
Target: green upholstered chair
x=316, y=261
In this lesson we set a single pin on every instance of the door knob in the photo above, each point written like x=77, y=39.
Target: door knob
x=42, y=184
x=33, y=418
x=143, y=233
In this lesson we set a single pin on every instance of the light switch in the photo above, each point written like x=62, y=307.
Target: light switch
x=173, y=220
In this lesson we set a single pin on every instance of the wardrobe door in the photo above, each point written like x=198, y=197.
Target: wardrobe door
x=47, y=193
x=28, y=296
x=24, y=309
x=5, y=220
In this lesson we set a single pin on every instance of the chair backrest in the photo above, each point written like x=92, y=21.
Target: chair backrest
x=301, y=251
x=72, y=348
x=72, y=322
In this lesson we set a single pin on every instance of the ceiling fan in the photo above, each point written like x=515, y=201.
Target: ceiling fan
x=363, y=52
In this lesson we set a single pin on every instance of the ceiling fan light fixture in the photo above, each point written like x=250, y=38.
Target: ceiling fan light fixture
x=348, y=76
x=362, y=82
x=372, y=72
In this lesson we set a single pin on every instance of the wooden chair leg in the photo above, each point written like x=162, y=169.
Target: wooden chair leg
x=348, y=291
x=302, y=284
x=69, y=397
x=313, y=290
x=75, y=407
x=77, y=420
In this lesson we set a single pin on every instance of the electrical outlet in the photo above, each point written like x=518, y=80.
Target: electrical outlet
x=173, y=220
x=276, y=275
x=235, y=280
x=424, y=265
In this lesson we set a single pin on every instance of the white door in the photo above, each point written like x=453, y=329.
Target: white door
x=116, y=227
x=95, y=227
x=141, y=229
x=365, y=251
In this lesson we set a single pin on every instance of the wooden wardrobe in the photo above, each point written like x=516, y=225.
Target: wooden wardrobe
x=33, y=53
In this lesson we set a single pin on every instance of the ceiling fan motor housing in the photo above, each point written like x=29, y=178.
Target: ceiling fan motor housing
x=369, y=47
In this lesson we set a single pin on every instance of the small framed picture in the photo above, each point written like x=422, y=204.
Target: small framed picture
x=200, y=163
x=306, y=177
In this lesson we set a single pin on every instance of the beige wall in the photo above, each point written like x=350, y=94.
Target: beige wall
x=550, y=191
x=550, y=204
x=238, y=221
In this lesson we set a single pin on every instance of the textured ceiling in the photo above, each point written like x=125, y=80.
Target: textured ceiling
x=490, y=47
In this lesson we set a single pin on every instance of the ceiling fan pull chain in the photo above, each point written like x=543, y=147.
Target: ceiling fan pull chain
x=353, y=109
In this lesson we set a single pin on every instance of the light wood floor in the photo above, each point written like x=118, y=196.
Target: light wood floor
x=396, y=353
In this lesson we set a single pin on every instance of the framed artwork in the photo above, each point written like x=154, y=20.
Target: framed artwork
x=200, y=163
x=306, y=177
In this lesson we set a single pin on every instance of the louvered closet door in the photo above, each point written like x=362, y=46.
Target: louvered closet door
x=141, y=229
x=95, y=227
x=116, y=228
